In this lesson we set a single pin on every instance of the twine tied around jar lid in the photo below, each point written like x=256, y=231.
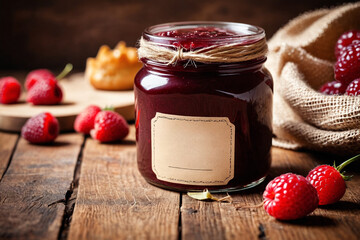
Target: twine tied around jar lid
x=226, y=53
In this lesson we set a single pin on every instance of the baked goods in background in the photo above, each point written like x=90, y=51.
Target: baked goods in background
x=113, y=69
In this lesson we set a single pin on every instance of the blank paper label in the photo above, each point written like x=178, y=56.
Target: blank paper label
x=192, y=150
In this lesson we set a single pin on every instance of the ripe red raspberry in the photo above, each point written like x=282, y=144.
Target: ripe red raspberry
x=42, y=128
x=43, y=88
x=354, y=88
x=347, y=67
x=329, y=182
x=109, y=126
x=10, y=90
x=332, y=88
x=290, y=196
x=345, y=48
x=45, y=92
x=84, y=122
x=345, y=40
x=37, y=75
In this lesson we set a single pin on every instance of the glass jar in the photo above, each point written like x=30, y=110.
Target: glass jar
x=203, y=125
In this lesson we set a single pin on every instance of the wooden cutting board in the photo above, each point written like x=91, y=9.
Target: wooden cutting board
x=78, y=94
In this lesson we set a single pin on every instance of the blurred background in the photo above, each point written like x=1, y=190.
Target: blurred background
x=50, y=33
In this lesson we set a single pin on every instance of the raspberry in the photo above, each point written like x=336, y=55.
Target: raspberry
x=329, y=182
x=42, y=128
x=345, y=40
x=37, y=75
x=109, y=126
x=290, y=196
x=354, y=88
x=10, y=90
x=43, y=88
x=347, y=67
x=332, y=88
x=84, y=122
x=342, y=51
x=45, y=92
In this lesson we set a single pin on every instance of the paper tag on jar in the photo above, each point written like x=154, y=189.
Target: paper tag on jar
x=193, y=150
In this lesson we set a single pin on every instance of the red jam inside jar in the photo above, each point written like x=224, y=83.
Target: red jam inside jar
x=194, y=38
x=203, y=125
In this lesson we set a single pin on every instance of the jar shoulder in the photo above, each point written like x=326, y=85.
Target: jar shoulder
x=160, y=82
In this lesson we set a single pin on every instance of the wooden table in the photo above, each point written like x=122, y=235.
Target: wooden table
x=80, y=189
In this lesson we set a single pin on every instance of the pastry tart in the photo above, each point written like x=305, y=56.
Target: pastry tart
x=113, y=69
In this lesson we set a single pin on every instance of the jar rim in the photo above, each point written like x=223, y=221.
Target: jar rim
x=245, y=33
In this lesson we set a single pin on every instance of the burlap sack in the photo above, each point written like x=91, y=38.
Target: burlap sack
x=301, y=59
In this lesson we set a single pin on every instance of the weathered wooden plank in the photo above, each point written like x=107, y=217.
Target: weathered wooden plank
x=7, y=145
x=115, y=202
x=32, y=192
x=243, y=219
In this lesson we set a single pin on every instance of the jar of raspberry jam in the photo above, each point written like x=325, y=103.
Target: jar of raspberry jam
x=203, y=105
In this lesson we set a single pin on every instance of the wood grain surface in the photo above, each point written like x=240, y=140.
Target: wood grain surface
x=78, y=94
x=44, y=196
x=245, y=218
x=115, y=202
x=33, y=189
x=8, y=144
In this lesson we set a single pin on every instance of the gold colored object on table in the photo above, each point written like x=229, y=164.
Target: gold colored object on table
x=113, y=69
x=206, y=195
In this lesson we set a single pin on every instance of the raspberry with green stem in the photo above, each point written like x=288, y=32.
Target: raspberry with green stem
x=329, y=181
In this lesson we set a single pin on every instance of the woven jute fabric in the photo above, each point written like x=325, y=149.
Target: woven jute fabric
x=301, y=59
